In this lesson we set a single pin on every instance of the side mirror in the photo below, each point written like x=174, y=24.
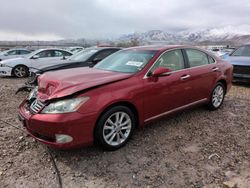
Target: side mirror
x=96, y=60
x=161, y=71
x=35, y=57
x=5, y=54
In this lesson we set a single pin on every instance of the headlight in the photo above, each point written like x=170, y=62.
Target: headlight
x=65, y=106
x=3, y=65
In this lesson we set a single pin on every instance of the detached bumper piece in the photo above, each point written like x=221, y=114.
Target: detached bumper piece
x=63, y=131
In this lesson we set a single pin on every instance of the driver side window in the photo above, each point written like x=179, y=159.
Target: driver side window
x=172, y=60
x=46, y=53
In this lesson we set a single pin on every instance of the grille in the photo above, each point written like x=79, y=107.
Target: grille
x=36, y=106
x=241, y=69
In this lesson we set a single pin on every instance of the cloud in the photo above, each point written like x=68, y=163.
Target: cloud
x=56, y=19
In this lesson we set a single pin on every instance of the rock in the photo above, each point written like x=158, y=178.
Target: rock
x=1, y=173
x=230, y=174
x=230, y=184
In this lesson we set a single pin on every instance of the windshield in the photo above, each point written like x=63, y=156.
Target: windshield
x=126, y=61
x=83, y=55
x=242, y=51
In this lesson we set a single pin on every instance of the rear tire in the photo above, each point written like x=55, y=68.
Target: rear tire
x=114, y=128
x=20, y=71
x=217, y=96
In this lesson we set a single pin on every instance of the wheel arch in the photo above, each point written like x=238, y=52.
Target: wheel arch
x=17, y=66
x=224, y=82
x=128, y=104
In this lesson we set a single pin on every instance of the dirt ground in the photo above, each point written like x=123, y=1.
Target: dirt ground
x=196, y=148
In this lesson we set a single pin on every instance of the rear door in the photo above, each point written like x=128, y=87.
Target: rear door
x=166, y=93
x=203, y=73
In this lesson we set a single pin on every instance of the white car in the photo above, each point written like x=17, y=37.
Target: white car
x=20, y=67
x=13, y=53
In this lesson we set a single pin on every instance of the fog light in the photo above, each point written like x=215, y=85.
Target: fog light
x=62, y=138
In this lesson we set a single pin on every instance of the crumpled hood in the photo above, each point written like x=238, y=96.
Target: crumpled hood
x=236, y=60
x=57, y=84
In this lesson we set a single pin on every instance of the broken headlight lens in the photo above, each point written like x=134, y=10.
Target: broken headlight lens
x=65, y=106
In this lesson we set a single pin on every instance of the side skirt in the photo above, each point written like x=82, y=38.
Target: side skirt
x=177, y=109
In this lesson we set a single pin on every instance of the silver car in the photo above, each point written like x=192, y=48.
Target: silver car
x=20, y=67
x=13, y=53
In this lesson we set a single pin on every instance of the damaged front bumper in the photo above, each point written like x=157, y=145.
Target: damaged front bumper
x=62, y=131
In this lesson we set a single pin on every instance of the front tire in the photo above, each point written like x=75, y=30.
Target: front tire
x=20, y=71
x=115, y=128
x=217, y=96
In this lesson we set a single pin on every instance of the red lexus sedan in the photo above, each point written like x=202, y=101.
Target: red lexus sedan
x=105, y=103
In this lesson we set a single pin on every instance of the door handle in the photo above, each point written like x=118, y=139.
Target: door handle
x=215, y=69
x=184, y=77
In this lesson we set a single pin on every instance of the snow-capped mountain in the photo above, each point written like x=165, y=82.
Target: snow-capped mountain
x=228, y=34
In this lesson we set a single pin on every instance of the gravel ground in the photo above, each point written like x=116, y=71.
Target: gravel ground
x=196, y=148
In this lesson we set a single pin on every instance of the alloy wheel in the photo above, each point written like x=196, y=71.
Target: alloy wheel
x=20, y=71
x=117, y=128
x=218, y=95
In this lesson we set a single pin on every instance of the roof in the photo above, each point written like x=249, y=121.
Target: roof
x=17, y=49
x=102, y=47
x=157, y=47
x=39, y=50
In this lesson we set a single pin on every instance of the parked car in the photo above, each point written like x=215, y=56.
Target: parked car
x=222, y=53
x=105, y=103
x=84, y=58
x=19, y=67
x=13, y=53
x=240, y=59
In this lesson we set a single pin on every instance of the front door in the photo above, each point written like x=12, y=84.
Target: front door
x=169, y=92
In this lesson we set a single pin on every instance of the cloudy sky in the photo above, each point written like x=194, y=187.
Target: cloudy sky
x=60, y=19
